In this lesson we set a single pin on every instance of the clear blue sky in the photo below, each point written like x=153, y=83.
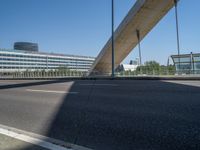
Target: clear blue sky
x=83, y=27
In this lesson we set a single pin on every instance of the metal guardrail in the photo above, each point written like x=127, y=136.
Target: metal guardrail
x=105, y=77
x=59, y=74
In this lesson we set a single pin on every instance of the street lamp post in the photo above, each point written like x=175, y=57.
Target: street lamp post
x=177, y=33
x=113, y=44
x=177, y=26
x=139, y=47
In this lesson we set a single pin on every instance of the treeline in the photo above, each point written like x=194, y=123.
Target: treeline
x=152, y=68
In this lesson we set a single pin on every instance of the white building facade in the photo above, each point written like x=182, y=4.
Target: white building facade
x=18, y=60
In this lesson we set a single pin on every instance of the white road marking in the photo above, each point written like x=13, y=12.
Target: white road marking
x=39, y=140
x=49, y=91
x=100, y=84
x=32, y=140
x=187, y=83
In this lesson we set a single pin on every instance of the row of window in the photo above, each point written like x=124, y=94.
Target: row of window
x=187, y=66
x=44, y=67
x=39, y=67
x=47, y=63
x=45, y=60
x=187, y=59
x=43, y=57
x=38, y=63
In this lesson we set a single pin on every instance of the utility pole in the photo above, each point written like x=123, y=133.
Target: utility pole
x=113, y=44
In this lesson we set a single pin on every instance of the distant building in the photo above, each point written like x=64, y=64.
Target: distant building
x=132, y=66
x=187, y=63
x=135, y=62
x=26, y=46
x=22, y=60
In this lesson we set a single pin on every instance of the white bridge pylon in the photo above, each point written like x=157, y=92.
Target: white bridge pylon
x=142, y=17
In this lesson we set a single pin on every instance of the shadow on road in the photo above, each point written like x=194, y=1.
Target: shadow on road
x=32, y=83
x=130, y=115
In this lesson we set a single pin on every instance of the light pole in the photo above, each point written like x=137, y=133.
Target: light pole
x=139, y=47
x=177, y=26
x=113, y=44
x=177, y=33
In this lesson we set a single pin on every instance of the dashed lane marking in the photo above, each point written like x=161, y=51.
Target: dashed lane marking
x=100, y=84
x=49, y=91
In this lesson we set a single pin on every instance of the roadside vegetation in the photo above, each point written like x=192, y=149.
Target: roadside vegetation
x=59, y=72
x=150, y=68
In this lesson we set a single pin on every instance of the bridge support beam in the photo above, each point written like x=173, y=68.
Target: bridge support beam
x=144, y=15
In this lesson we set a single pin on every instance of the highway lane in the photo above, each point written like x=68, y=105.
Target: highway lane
x=31, y=110
x=126, y=114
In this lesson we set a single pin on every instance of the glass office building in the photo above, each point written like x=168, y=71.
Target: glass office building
x=26, y=46
x=19, y=60
x=187, y=63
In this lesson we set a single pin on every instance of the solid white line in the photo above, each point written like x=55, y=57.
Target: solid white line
x=100, y=84
x=32, y=140
x=49, y=91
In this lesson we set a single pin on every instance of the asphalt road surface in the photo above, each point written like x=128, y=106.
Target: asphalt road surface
x=106, y=115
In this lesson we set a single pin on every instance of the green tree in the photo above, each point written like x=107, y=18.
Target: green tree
x=171, y=69
x=149, y=67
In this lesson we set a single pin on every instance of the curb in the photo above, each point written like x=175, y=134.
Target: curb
x=108, y=78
